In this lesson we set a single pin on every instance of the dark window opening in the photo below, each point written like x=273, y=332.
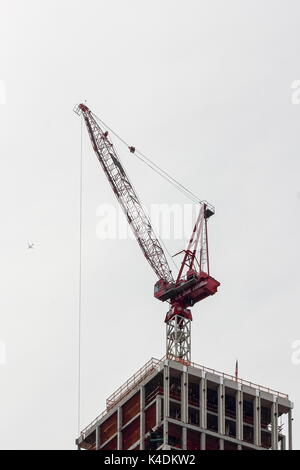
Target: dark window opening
x=194, y=394
x=175, y=436
x=248, y=434
x=230, y=406
x=193, y=416
x=155, y=439
x=248, y=411
x=193, y=440
x=266, y=440
x=212, y=422
x=175, y=388
x=230, y=428
x=212, y=443
x=265, y=417
x=212, y=400
x=153, y=388
x=175, y=410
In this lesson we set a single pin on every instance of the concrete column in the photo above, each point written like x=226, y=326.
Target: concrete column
x=239, y=415
x=142, y=417
x=221, y=407
x=274, y=421
x=119, y=428
x=203, y=441
x=203, y=407
x=257, y=420
x=199, y=403
x=283, y=443
x=184, y=438
x=290, y=430
x=221, y=444
x=184, y=395
x=166, y=401
x=97, y=438
x=158, y=411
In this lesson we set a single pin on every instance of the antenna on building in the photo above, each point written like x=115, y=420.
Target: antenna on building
x=236, y=372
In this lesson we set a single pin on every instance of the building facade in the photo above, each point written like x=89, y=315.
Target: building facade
x=170, y=405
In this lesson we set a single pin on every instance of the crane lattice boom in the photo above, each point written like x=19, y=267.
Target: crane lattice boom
x=126, y=195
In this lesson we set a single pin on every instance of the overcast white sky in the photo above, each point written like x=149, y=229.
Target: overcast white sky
x=204, y=89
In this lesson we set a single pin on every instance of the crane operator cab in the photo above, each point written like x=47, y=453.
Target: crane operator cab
x=160, y=288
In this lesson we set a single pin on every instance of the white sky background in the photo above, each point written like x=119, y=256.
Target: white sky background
x=204, y=89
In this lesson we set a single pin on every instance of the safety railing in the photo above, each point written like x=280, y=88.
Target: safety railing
x=240, y=381
x=131, y=383
x=85, y=431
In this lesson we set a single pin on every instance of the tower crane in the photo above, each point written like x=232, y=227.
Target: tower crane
x=193, y=282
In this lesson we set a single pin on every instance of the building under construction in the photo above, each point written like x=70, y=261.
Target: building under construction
x=167, y=405
x=174, y=403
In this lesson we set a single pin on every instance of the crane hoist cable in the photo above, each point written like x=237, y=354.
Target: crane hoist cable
x=157, y=169
x=79, y=280
x=132, y=150
x=143, y=158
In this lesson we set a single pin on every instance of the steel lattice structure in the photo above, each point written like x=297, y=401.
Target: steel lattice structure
x=178, y=333
x=126, y=195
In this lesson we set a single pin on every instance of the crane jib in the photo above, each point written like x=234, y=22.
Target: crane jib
x=126, y=196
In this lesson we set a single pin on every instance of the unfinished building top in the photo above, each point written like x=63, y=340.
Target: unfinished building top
x=155, y=364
